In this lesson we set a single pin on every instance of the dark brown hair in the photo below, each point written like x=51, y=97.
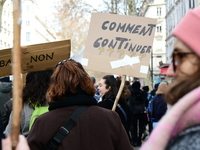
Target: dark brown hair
x=114, y=84
x=181, y=87
x=36, y=87
x=68, y=77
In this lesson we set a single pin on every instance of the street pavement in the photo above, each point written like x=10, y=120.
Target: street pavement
x=136, y=148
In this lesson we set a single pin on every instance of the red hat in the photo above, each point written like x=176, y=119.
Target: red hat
x=188, y=30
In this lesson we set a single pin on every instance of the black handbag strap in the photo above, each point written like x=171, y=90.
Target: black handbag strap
x=64, y=130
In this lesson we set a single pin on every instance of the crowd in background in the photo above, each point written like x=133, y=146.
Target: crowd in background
x=131, y=108
x=79, y=114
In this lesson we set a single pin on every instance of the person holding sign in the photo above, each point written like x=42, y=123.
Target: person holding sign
x=179, y=128
x=74, y=120
x=108, y=88
x=22, y=145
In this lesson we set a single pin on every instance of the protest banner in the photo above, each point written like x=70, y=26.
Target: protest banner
x=36, y=57
x=119, y=44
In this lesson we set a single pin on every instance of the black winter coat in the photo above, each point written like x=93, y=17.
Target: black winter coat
x=159, y=107
x=5, y=113
x=126, y=123
x=138, y=101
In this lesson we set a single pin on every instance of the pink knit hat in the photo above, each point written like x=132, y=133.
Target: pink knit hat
x=188, y=30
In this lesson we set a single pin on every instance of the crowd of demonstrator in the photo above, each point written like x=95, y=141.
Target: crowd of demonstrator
x=79, y=115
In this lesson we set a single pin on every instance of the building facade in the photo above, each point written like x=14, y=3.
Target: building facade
x=198, y=3
x=175, y=10
x=34, y=26
x=156, y=9
x=6, y=26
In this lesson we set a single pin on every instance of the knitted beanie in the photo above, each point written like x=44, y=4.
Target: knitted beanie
x=188, y=30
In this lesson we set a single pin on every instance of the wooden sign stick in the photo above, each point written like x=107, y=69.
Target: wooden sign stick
x=119, y=92
x=16, y=71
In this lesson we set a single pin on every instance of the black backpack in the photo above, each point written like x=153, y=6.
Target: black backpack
x=137, y=103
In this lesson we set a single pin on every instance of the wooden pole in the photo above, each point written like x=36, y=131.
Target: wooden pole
x=23, y=79
x=16, y=71
x=119, y=92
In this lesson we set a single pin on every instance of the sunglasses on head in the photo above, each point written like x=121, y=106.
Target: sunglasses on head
x=62, y=62
x=178, y=56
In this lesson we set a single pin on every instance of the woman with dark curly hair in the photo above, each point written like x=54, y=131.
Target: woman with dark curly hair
x=97, y=128
x=108, y=88
x=34, y=95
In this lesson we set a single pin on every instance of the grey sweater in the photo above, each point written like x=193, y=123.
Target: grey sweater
x=25, y=120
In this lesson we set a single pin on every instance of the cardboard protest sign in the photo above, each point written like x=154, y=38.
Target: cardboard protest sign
x=36, y=57
x=119, y=44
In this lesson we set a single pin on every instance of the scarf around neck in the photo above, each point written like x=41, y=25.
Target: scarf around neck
x=184, y=114
x=81, y=98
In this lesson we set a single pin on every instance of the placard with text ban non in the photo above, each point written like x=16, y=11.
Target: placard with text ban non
x=36, y=57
